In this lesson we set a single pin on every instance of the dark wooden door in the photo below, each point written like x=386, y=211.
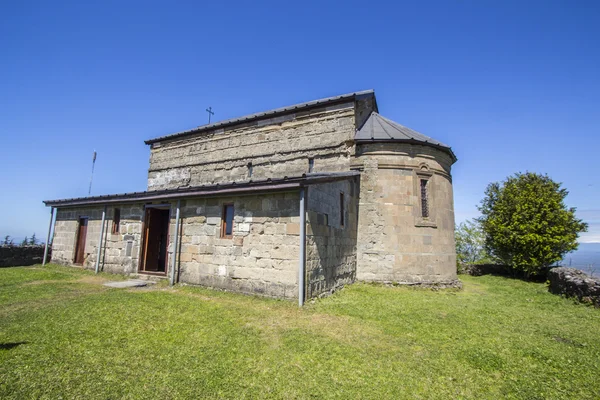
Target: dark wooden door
x=80, y=243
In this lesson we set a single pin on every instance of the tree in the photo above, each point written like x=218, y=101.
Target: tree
x=470, y=243
x=33, y=240
x=526, y=223
x=7, y=240
x=25, y=241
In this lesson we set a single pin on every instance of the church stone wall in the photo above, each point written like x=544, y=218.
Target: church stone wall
x=261, y=257
x=394, y=243
x=276, y=147
x=331, y=245
x=122, y=249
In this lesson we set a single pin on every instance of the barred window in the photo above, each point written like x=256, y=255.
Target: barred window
x=424, y=199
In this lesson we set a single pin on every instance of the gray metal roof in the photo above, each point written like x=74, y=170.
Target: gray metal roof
x=379, y=128
x=245, y=187
x=267, y=114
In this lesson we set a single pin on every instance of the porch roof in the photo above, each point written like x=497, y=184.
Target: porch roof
x=245, y=187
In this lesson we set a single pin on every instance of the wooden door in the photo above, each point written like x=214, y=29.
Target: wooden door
x=155, y=240
x=80, y=243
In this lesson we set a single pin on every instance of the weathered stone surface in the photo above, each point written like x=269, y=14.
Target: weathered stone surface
x=571, y=282
x=115, y=257
x=394, y=243
x=11, y=256
x=378, y=234
x=331, y=245
x=275, y=150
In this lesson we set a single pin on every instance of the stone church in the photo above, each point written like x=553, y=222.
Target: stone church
x=290, y=203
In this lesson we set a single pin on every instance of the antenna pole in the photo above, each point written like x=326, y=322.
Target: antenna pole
x=92, y=177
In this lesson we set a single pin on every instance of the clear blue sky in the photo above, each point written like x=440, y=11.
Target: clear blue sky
x=510, y=85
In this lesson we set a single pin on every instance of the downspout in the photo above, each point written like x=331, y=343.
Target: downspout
x=302, y=260
x=48, y=237
x=176, y=244
x=100, y=240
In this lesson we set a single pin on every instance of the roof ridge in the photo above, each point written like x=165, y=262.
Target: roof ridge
x=258, y=115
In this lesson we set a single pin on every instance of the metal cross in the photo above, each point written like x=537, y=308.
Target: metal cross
x=210, y=112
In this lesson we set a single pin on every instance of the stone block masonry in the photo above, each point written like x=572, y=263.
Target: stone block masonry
x=120, y=250
x=277, y=149
x=12, y=256
x=262, y=255
x=331, y=236
x=571, y=282
x=396, y=243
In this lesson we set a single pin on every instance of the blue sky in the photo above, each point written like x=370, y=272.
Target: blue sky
x=510, y=85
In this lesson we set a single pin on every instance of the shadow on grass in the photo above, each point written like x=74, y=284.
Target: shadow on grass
x=10, y=346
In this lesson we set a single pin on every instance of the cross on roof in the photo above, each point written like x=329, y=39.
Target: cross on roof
x=210, y=112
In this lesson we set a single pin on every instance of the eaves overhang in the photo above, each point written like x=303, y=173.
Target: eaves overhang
x=232, y=188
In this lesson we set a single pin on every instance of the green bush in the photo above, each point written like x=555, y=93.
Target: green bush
x=526, y=223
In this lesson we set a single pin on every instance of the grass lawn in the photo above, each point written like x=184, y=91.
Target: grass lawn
x=63, y=335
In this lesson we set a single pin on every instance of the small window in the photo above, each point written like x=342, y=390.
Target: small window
x=227, y=221
x=311, y=164
x=116, y=220
x=249, y=170
x=424, y=199
x=342, y=209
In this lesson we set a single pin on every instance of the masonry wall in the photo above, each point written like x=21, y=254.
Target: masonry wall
x=122, y=249
x=11, y=256
x=261, y=257
x=276, y=147
x=394, y=243
x=331, y=246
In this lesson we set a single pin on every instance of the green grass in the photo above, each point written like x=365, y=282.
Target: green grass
x=497, y=338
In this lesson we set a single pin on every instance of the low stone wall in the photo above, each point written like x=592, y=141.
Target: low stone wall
x=12, y=256
x=571, y=282
x=484, y=269
x=502, y=270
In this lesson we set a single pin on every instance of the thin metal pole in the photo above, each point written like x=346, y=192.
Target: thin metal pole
x=100, y=240
x=92, y=177
x=176, y=244
x=48, y=237
x=302, y=261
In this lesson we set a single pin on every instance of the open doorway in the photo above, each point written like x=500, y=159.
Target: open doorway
x=155, y=240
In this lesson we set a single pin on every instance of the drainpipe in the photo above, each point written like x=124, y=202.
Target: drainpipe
x=48, y=237
x=100, y=240
x=176, y=244
x=302, y=261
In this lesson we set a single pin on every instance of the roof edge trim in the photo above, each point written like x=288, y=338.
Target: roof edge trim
x=266, y=114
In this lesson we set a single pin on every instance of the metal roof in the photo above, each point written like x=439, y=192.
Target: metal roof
x=264, y=185
x=378, y=128
x=267, y=114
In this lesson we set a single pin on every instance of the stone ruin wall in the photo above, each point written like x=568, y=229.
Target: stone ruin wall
x=331, y=247
x=394, y=243
x=277, y=147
